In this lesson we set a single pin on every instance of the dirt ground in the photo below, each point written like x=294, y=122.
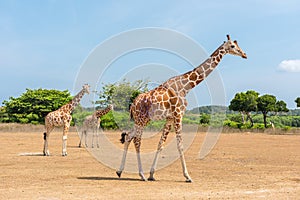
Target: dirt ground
x=241, y=166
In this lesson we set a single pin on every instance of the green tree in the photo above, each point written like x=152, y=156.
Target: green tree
x=298, y=101
x=281, y=107
x=33, y=105
x=121, y=94
x=265, y=104
x=245, y=103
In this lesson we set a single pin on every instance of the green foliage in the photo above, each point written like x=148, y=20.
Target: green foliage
x=268, y=103
x=79, y=115
x=259, y=126
x=33, y=105
x=280, y=106
x=204, y=118
x=231, y=124
x=121, y=94
x=244, y=101
x=108, y=121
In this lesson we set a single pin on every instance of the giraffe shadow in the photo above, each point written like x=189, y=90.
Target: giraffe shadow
x=108, y=178
x=31, y=154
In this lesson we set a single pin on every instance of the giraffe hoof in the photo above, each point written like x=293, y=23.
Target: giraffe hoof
x=188, y=180
x=119, y=173
x=151, y=179
x=64, y=154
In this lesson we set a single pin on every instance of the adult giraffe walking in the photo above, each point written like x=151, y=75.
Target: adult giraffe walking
x=62, y=117
x=168, y=101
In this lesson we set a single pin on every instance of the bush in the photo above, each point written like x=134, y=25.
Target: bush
x=33, y=105
x=231, y=124
x=204, y=118
x=259, y=126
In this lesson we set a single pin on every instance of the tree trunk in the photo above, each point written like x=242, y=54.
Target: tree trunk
x=243, y=118
x=265, y=119
x=250, y=118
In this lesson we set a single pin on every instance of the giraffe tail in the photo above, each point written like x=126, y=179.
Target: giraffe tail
x=45, y=134
x=123, y=135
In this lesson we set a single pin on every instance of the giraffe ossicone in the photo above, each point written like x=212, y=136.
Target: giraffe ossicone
x=168, y=101
x=62, y=117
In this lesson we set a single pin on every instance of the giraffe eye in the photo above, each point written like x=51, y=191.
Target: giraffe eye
x=232, y=46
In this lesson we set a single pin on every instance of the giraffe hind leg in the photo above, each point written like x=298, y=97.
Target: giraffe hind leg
x=163, y=138
x=181, y=154
x=46, y=150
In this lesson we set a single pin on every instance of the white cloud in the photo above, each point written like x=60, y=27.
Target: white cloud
x=289, y=65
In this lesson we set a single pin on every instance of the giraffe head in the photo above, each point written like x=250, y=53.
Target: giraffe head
x=111, y=107
x=86, y=88
x=233, y=48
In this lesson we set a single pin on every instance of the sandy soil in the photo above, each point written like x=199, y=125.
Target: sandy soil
x=241, y=166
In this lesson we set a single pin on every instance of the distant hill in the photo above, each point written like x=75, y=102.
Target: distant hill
x=210, y=109
x=294, y=112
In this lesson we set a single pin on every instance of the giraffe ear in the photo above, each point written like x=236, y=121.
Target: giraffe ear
x=228, y=37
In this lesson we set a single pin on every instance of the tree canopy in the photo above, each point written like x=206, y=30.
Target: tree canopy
x=245, y=103
x=121, y=94
x=268, y=103
x=33, y=105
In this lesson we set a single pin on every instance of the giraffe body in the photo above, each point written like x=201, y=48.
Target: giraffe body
x=62, y=117
x=168, y=102
x=92, y=122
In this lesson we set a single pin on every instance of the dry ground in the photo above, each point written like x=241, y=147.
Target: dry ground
x=241, y=166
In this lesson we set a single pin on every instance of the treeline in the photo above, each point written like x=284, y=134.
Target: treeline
x=246, y=110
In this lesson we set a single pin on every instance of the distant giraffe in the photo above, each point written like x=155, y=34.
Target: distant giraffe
x=92, y=122
x=168, y=101
x=62, y=117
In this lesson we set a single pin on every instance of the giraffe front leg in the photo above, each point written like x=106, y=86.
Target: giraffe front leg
x=163, y=138
x=97, y=137
x=180, y=150
x=64, y=140
x=85, y=140
x=80, y=142
x=126, y=139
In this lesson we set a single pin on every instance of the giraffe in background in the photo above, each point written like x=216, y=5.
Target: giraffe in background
x=62, y=117
x=92, y=122
x=168, y=101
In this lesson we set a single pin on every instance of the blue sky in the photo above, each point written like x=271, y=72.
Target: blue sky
x=44, y=43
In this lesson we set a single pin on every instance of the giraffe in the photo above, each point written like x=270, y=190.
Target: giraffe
x=168, y=102
x=62, y=117
x=93, y=122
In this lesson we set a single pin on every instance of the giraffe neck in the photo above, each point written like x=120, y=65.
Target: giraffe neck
x=182, y=84
x=100, y=113
x=75, y=101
